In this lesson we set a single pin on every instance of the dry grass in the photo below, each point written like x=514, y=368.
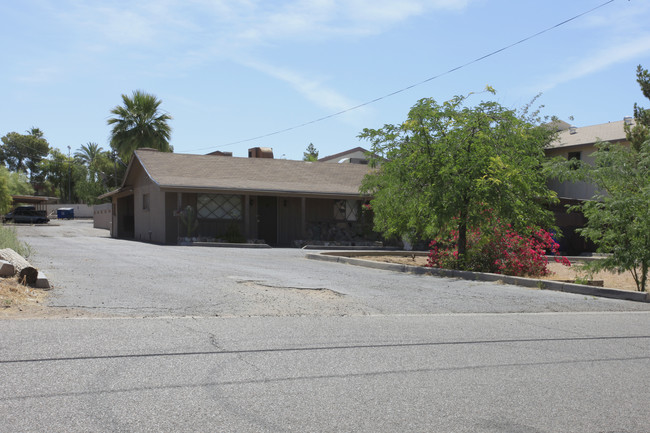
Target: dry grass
x=19, y=300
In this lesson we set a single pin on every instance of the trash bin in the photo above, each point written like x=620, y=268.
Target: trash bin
x=65, y=213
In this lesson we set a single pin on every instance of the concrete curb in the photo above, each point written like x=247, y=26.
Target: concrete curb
x=7, y=269
x=345, y=257
x=228, y=245
x=41, y=281
x=353, y=248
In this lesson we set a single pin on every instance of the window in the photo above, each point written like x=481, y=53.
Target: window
x=574, y=158
x=145, y=201
x=346, y=210
x=213, y=206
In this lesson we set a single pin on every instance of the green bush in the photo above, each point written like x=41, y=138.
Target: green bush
x=9, y=239
x=233, y=235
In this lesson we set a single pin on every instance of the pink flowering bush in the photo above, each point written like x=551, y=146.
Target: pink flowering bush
x=501, y=250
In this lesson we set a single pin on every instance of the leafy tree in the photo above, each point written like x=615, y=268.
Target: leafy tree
x=618, y=216
x=24, y=152
x=88, y=190
x=17, y=182
x=311, y=154
x=60, y=175
x=113, y=169
x=448, y=165
x=139, y=123
x=5, y=194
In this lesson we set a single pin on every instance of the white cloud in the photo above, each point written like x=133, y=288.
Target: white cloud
x=244, y=24
x=183, y=34
x=322, y=19
x=311, y=89
x=599, y=61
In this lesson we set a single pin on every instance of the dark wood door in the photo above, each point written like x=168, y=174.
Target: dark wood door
x=267, y=219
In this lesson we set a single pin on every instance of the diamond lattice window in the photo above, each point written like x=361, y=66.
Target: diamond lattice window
x=346, y=210
x=224, y=207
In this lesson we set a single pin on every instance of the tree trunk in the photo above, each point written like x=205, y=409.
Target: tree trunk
x=27, y=274
x=462, y=239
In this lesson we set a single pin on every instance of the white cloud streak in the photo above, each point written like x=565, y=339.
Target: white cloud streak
x=311, y=89
x=229, y=30
x=599, y=61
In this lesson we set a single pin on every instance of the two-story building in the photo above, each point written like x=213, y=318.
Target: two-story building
x=579, y=143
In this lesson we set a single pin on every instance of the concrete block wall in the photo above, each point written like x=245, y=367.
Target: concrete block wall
x=102, y=216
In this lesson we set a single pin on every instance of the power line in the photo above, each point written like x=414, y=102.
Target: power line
x=476, y=60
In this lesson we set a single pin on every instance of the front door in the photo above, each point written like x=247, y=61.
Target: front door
x=267, y=219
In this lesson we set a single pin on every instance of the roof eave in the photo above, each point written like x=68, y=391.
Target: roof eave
x=258, y=191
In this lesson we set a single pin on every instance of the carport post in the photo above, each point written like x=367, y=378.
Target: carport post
x=179, y=207
x=247, y=216
x=303, y=216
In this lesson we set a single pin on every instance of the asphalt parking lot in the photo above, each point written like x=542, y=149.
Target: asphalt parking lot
x=170, y=338
x=93, y=273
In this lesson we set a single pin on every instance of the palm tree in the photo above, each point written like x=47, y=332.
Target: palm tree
x=139, y=123
x=88, y=153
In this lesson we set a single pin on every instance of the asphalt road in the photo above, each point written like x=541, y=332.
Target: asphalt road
x=207, y=339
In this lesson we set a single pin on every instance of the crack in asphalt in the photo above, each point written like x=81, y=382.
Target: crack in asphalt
x=272, y=286
x=214, y=342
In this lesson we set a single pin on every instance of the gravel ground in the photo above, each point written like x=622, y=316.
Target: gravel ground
x=558, y=271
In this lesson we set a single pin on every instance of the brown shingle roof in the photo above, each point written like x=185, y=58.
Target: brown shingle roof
x=612, y=131
x=174, y=170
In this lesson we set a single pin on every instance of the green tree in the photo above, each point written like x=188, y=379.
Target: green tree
x=311, y=153
x=21, y=152
x=139, y=122
x=60, y=175
x=5, y=193
x=86, y=189
x=17, y=182
x=113, y=169
x=448, y=164
x=88, y=154
x=618, y=216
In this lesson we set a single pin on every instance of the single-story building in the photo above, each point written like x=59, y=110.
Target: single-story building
x=281, y=202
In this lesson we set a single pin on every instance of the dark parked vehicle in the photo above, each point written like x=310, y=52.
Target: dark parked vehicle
x=26, y=215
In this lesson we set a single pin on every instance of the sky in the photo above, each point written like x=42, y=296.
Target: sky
x=236, y=74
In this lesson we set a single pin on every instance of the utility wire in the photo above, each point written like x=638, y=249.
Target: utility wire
x=478, y=59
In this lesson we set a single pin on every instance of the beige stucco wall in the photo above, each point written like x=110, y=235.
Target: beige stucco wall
x=150, y=222
x=356, y=154
x=574, y=190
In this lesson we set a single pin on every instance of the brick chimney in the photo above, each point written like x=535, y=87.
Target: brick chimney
x=260, y=152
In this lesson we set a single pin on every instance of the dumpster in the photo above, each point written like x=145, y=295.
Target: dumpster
x=65, y=213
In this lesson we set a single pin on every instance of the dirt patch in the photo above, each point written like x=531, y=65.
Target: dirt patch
x=260, y=299
x=611, y=280
x=17, y=300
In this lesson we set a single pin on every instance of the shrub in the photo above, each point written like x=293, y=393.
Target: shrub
x=9, y=239
x=499, y=250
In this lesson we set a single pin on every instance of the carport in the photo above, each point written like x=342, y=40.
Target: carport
x=123, y=213
x=39, y=202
